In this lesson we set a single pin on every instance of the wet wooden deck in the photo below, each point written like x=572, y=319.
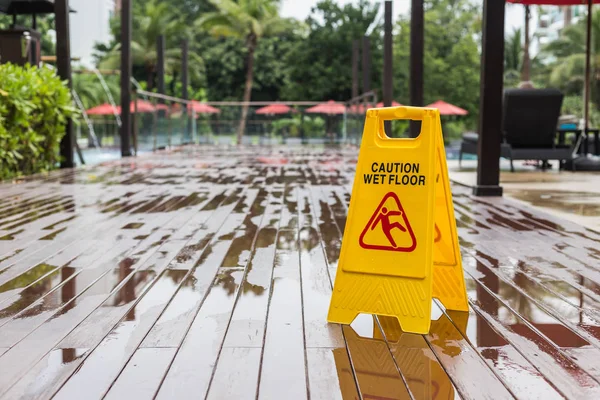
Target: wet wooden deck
x=207, y=273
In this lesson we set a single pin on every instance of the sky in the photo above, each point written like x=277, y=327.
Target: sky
x=301, y=8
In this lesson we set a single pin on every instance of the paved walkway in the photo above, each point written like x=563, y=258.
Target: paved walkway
x=207, y=273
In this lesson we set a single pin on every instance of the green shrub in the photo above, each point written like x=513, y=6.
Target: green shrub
x=313, y=126
x=574, y=105
x=453, y=129
x=34, y=108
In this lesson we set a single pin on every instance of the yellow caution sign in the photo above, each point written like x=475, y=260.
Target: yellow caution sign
x=387, y=256
x=448, y=279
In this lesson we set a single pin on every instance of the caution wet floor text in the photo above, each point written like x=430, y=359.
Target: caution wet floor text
x=400, y=246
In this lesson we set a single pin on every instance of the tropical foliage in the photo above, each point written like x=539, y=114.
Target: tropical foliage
x=249, y=21
x=34, y=107
x=153, y=18
x=452, y=61
x=566, y=68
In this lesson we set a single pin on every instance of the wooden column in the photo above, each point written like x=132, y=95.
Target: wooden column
x=126, y=66
x=366, y=64
x=355, y=56
x=184, y=84
x=588, y=69
x=160, y=64
x=417, y=44
x=184, y=69
x=491, y=92
x=63, y=66
x=387, y=62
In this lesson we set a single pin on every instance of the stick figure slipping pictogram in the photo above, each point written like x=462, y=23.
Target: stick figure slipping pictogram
x=387, y=226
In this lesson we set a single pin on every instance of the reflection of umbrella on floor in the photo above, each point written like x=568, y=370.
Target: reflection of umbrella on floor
x=447, y=108
x=330, y=108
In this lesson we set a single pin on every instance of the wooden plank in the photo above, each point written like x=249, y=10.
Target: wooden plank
x=284, y=327
x=103, y=365
x=142, y=375
x=192, y=368
x=43, y=374
x=211, y=323
x=375, y=371
x=546, y=358
x=236, y=375
x=205, y=258
x=501, y=356
x=29, y=350
x=247, y=324
x=33, y=316
x=330, y=375
x=27, y=286
x=425, y=377
x=575, y=328
x=457, y=356
x=172, y=326
x=69, y=315
x=316, y=284
x=98, y=323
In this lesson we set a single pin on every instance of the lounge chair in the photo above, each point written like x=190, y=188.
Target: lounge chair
x=530, y=119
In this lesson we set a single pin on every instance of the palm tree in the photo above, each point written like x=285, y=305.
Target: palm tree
x=568, y=51
x=248, y=20
x=90, y=90
x=150, y=20
x=512, y=51
x=512, y=57
x=526, y=71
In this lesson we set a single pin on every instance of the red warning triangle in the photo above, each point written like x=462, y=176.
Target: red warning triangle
x=388, y=229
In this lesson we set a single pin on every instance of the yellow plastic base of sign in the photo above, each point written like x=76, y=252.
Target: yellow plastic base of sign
x=400, y=245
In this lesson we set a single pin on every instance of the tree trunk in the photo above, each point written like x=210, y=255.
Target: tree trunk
x=568, y=11
x=149, y=78
x=248, y=89
x=526, y=70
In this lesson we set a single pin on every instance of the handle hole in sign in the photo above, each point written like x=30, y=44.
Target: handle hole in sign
x=397, y=129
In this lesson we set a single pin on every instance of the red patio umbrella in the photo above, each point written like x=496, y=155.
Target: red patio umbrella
x=202, y=108
x=142, y=107
x=588, y=44
x=102, y=109
x=275, y=108
x=447, y=108
x=330, y=108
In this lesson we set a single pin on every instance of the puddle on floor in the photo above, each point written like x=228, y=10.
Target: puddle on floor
x=580, y=203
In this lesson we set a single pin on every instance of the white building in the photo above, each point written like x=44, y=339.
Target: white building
x=552, y=22
x=90, y=24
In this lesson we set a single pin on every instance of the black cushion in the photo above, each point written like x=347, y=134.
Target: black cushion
x=470, y=137
x=530, y=117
